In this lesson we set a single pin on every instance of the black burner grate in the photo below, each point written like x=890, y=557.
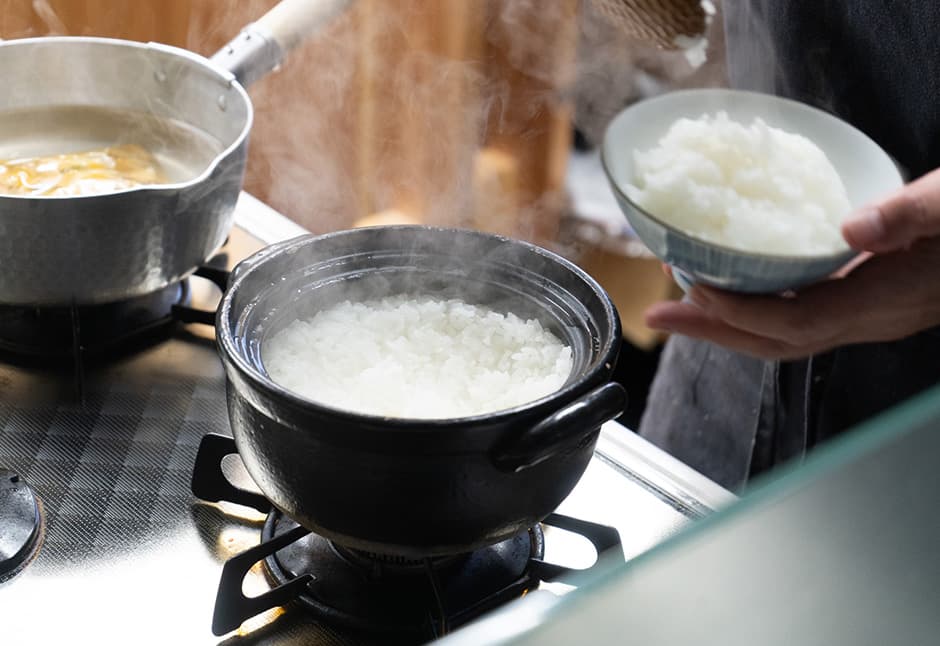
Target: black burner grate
x=57, y=332
x=79, y=335
x=403, y=600
x=65, y=331
x=421, y=599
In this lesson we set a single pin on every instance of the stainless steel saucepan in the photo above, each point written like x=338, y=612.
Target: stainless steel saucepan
x=65, y=95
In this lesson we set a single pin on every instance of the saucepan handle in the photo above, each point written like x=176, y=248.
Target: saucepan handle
x=563, y=430
x=262, y=45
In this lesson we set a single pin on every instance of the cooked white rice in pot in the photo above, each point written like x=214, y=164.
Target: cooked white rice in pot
x=417, y=357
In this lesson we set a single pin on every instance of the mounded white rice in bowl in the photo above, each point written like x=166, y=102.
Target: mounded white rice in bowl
x=751, y=187
x=417, y=357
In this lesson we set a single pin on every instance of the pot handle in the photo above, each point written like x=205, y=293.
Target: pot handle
x=262, y=45
x=562, y=430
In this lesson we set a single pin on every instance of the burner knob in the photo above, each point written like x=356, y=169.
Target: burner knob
x=20, y=523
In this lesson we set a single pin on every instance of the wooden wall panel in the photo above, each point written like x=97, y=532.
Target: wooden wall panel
x=165, y=21
x=530, y=62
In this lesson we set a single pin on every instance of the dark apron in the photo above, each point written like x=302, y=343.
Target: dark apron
x=876, y=63
x=732, y=417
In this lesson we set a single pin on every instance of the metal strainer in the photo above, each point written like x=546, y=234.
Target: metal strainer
x=658, y=21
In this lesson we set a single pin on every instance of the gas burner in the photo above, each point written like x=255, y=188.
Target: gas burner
x=387, y=594
x=20, y=524
x=401, y=599
x=56, y=332
x=69, y=332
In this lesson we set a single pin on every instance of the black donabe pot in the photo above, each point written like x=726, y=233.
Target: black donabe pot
x=416, y=487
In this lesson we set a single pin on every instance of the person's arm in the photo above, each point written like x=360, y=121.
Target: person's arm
x=894, y=293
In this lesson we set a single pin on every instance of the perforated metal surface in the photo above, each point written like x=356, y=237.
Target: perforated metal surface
x=112, y=471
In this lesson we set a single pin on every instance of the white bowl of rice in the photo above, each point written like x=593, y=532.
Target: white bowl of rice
x=741, y=190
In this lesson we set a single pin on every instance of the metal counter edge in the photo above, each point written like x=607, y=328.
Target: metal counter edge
x=263, y=222
x=675, y=482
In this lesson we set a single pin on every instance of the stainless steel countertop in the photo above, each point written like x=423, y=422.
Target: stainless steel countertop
x=130, y=556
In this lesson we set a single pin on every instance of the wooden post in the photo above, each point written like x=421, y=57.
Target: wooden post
x=530, y=56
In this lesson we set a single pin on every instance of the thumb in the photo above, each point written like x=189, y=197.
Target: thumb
x=898, y=221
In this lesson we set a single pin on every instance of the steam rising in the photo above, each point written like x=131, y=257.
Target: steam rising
x=754, y=61
x=455, y=112
x=54, y=26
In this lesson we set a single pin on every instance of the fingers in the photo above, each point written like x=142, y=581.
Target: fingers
x=885, y=298
x=811, y=318
x=690, y=320
x=853, y=264
x=831, y=313
x=910, y=214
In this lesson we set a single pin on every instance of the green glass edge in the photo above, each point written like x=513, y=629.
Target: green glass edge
x=865, y=438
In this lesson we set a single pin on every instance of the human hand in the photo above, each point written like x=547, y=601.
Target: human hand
x=893, y=292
